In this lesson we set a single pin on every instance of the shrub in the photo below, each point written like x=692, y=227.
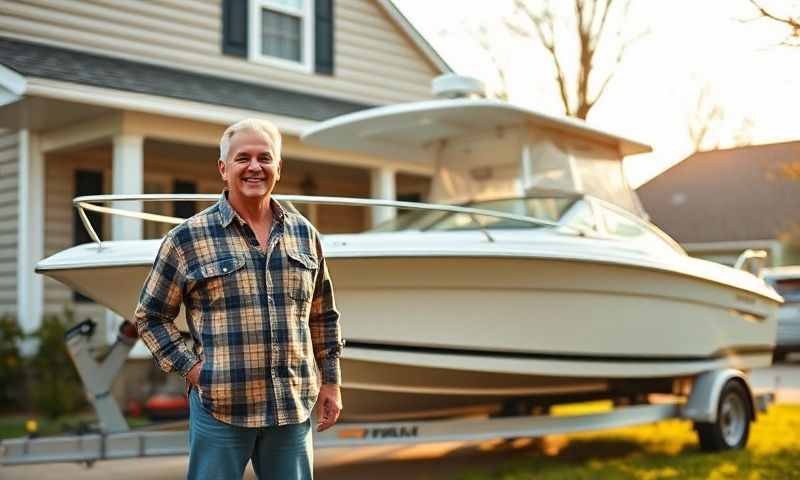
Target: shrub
x=56, y=388
x=12, y=371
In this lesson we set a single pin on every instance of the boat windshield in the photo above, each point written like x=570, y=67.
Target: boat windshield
x=552, y=209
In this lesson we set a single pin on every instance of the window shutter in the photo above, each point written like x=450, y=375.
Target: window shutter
x=87, y=182
x=234, y=27
x=323, y=36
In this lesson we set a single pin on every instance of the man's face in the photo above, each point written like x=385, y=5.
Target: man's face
x=252, y=168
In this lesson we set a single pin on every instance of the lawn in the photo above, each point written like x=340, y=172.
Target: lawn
x=664, y=450
x=13, y=426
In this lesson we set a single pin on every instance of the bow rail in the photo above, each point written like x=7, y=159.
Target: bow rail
x=89, y=202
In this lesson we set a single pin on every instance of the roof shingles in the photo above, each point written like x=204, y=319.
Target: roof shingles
x=738, y=194
x=44, y=61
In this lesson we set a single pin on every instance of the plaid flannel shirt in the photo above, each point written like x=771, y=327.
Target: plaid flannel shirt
x=264, y=323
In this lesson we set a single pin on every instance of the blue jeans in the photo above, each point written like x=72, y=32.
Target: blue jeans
x=218, y=450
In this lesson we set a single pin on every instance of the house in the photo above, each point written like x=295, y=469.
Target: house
x=132, y=97
x=721, y=202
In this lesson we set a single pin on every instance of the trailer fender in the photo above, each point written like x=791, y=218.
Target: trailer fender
x=703, y=401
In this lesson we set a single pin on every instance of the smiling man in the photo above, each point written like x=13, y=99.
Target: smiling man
x=259, y=305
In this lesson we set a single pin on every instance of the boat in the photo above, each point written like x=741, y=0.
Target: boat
x=534, y=277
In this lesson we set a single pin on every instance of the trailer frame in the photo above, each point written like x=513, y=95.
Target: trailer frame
x=116, y=440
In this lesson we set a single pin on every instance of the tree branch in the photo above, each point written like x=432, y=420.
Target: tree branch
x=792, y=22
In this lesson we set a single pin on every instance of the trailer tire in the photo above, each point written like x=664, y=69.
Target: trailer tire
x=732, y=428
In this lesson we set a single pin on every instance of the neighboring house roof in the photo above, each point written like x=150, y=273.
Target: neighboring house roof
x=727, y=195
x=56, y=63
x=405, y=24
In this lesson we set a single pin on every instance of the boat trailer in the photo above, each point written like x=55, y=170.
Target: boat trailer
x=708, y=405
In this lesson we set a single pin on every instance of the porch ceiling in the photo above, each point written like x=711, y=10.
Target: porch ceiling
x=39, y=113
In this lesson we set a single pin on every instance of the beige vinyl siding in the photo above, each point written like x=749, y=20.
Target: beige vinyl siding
x=188, y=34
x=9, y=198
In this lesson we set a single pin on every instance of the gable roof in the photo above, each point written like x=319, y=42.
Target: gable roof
x=727, y=195
x=58, y=63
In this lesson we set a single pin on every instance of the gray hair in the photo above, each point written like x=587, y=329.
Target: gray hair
x=257, y=125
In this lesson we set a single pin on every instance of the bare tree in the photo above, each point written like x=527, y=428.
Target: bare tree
x=579, y=89
x=708, y=122
x=705, y=120
x=793, y=22
x=743, y=135
x=483, y=37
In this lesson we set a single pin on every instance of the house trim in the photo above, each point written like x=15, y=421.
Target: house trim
x=729, y=245
x=141, y=102
x=419, y=41
x=12, y=81
x=30, y=235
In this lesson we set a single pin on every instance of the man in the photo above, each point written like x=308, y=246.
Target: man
x=259, y=305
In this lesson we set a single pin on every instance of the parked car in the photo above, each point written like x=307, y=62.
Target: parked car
x=168, y=401
x=786, y=280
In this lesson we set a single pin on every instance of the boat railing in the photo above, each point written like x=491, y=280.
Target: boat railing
x=89, y=203
x=752, y=261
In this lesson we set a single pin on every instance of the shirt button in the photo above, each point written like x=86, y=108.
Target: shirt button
x=225, y=269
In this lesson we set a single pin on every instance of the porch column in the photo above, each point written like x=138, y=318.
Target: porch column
x=127, y=173
x=382, y=186
x=127, y=177
x=30, y=232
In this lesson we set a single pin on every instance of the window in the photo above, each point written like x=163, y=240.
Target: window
x=282, y=32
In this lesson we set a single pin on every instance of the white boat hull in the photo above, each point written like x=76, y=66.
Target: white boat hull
x=551, y=311
x=444, y=335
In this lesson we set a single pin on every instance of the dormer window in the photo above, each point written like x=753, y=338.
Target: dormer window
x=282, y=33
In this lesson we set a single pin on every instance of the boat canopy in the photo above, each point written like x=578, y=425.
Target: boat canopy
x=481, y=149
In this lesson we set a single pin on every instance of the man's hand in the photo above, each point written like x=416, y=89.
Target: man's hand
x=330, y=405
x=194, y=374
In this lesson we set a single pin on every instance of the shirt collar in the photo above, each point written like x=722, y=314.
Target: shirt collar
x=228, y=213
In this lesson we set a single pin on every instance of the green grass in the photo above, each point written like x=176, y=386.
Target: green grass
x=664, y=450
x=13, y=426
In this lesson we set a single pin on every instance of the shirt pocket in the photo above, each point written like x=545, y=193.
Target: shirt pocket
x=301, y=271
x=218, y=275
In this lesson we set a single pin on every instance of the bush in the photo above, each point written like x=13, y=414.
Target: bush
x=56, y=388
x=12, y=368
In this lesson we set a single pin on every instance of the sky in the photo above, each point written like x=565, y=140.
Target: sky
x=653, y=95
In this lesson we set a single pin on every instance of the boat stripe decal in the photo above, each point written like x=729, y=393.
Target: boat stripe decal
x=722, y=353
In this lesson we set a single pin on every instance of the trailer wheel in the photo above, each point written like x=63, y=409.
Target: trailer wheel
x=732, y=428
